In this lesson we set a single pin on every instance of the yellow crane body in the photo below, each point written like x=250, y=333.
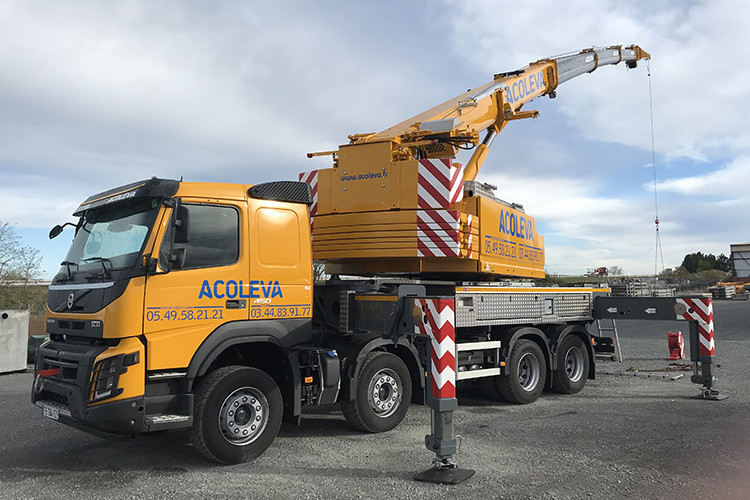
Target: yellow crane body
x=396, y=202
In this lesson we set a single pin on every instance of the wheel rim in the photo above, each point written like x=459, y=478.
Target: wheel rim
x=243, y=415
x=384, y=393
x=528, y=372
x=574, y=364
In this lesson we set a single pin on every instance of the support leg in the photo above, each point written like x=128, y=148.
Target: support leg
x=705, y=377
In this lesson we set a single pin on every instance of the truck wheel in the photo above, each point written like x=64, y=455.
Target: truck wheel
x=572, y=366
x=237, y=416
x=383, y=394
x=527, y=374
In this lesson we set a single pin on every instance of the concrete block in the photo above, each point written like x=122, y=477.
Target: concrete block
x=14, y=333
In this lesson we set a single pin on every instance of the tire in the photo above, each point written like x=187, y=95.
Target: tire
x=572, y=366
x=237, y=414
x=383, y=394
x=527, y=374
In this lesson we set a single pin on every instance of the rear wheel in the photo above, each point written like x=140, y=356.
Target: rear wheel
x=237, y=414
x=527, y=374
x=383, y=394
x=572, y=366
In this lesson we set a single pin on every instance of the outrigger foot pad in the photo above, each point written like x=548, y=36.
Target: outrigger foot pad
x=710, y=394
x=444, y=471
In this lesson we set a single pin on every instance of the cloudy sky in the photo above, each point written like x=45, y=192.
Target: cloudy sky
x=99, y=94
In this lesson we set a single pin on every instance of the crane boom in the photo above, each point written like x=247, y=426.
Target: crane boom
x=491, y=106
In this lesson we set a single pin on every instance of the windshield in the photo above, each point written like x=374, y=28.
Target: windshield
x=111, y=236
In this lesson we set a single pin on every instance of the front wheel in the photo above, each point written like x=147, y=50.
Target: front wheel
x=383, y=394
x=237, y=414
x=572, y=366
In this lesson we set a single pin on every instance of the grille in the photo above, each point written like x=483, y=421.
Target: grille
x=67, y=362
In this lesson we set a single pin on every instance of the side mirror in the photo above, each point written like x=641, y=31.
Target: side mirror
x=55, y=231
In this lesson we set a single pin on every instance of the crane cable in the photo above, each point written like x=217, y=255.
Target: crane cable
x=658, y=248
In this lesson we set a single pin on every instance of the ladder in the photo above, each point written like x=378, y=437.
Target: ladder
x=604, y=349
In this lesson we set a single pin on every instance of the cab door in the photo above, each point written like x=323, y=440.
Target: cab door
x=280, y=262
x=205, y=287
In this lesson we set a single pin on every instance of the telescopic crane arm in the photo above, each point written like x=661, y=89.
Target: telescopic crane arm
x=458, y=122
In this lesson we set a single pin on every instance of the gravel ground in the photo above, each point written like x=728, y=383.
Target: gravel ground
x=622, y=437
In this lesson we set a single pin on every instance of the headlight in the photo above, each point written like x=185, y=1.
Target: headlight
x=107, y=373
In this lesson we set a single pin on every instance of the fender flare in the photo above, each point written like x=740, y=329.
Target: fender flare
x=349, y=382
x=510, y=337
x=280, y=334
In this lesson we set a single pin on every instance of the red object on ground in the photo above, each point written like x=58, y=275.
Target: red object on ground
x=676, y=345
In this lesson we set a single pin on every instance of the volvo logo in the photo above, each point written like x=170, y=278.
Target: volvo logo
x=71, y=300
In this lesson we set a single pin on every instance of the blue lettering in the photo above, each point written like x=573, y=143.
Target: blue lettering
x=514, y=90
x=522, y=232
x=532, y=83
x=522, y=88
x=512, y=224
x=502, y=222
x=216, y=289
x=266, y=289
x=243, y=295
x=205, y=290
x=254, y=289
x=276, y=290
x=231, y=289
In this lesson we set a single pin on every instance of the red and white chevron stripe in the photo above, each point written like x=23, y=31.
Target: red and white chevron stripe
x=471, y=240
x=702, y=311
x=438, y=233
x=311, y=178
x=439, y=183
x=440, y=326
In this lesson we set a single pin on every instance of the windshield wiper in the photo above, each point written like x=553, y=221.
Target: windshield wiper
x=67, y=265
x=101, y=260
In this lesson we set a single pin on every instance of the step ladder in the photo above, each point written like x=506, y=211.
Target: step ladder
x=605, y=349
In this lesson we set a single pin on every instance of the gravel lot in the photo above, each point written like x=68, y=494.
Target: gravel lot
x=622, y=437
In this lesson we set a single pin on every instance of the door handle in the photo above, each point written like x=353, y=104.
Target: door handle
x=236, y=304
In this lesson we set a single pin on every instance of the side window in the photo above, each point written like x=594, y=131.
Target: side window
x=211, y=236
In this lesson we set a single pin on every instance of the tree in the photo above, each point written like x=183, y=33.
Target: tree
x=615, y=271
x=19, y=264
x=697, y=262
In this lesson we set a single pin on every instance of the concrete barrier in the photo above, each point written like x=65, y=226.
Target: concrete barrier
x=14, y=333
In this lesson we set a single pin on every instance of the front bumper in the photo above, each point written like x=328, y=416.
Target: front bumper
x=64, y=396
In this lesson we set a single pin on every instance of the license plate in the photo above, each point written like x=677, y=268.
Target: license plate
x=51, y=412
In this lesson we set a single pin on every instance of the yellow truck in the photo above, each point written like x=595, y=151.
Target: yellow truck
x=186, y=305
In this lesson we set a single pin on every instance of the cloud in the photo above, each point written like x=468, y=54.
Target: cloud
x=700, y=99
x=728, y=182
x=102, y=94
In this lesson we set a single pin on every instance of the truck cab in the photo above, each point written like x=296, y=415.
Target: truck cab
x=164, y=282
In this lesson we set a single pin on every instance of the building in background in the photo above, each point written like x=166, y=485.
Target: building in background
x=741, y=259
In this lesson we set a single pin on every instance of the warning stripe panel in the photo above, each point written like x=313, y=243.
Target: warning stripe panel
x=311, y=178
x=439, y=183
x=701, y=310
x=439, y=324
